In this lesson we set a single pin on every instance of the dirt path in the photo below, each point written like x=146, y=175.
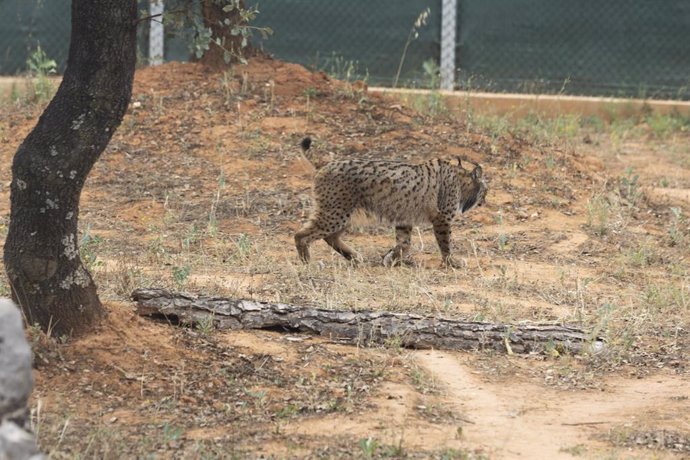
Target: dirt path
x=524, y=420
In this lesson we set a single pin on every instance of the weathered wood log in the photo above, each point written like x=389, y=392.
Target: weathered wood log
x=363, y=327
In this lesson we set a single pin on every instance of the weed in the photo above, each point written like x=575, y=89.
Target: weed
x=663, y=125
x=191, y=238
x=288, y=411
x=206, y=325
x=341, y=69
x=226, y=86
x=243, y=245
x=502, y=238
x=630, y=187
x=598, y=214
x=369, y=446
x=126, y=279
x=4, y=287
x=87, y=249
x=259, y=397
x=40, y=67
x=576, y=450
x=181, y=274
x=310, y=93
x=678, y=228
x=212, y=217
x=641, y=255
x=171, y=433
x=413, y=35
x=422, y=381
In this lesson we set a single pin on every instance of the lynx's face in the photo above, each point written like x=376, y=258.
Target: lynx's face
x=474, y=189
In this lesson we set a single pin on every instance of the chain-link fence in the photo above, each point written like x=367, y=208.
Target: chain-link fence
x=24, y=24
x=638, y=48
x=630, y=48
x=359, y=36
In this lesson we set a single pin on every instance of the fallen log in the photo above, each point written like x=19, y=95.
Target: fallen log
x=363, y=327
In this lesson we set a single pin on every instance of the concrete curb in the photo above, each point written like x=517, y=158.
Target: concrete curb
x=520, y=105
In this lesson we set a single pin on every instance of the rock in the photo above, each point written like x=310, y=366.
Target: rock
x=18, y=444
x=16, y=381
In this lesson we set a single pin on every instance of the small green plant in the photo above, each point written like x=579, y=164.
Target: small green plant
x=598, y=214
x=87, y=249
x=432, y=72
x=310, y=92
x=191, y=237
x=126, y=278
x=243, y=245
x=662, y=125
x=502, y=238
x=640, y=256
x=288, y=411
x=340, y=68
x=678, y=229
x=181, y=274
x=369, y=446
x=260, y=398
x=39, y=67
x=630, y=187
x=171, y=433
x=206, y=325
x=4, y=288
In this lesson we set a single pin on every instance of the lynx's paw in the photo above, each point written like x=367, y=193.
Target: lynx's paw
x=449, y=262
x=391, y=259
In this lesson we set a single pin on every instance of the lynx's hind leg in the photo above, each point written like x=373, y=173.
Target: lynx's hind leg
x=303, y=238
x=397, y=254
x=340, y=247
x=327, y=226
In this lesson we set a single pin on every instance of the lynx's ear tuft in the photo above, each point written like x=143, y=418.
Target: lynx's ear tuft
x=306, y=143
x=459, y=161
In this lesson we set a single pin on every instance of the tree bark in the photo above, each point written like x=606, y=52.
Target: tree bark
x=41, y=255
x=214, y=17
x=363, y=327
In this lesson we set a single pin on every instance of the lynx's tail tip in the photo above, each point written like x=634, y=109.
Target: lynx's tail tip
x=305, y=144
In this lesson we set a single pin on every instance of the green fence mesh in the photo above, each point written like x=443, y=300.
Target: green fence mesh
x=637, y=48
x=629, y=48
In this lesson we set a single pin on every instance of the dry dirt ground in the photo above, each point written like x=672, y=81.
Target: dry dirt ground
x=201, y=190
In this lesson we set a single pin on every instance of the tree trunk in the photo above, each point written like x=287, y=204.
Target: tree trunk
x=41, y=256
x=214, y=18
x=363, y=327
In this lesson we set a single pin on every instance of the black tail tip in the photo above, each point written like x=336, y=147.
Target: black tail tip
x=306, y=143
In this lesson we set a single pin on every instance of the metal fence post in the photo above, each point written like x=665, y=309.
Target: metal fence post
x=156, y=43
x=449, y=13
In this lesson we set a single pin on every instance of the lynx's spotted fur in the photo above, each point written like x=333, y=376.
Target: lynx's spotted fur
x=402, y=193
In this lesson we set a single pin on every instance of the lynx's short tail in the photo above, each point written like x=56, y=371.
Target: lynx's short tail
x=309, y=154
x=305, y=144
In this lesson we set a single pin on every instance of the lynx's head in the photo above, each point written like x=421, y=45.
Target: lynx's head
x=473, y=187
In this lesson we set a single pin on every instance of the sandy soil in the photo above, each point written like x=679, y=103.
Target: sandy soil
x=202, y=188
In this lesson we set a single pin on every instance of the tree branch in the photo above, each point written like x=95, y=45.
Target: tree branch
x=363, y=327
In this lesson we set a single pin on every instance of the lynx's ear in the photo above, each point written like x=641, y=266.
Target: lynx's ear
x=477, y=172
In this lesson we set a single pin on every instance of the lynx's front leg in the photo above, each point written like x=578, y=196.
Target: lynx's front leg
x=397, y=254
x=442, y=233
